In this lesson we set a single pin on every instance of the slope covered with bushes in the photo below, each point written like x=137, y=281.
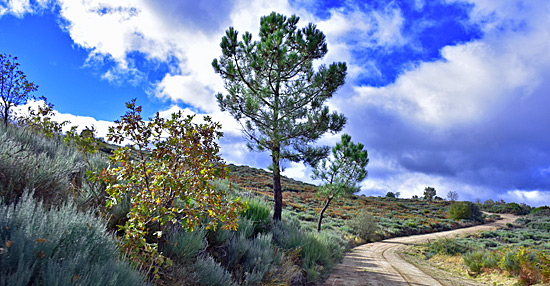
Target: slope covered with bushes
x=259, y=252
x=520, y=250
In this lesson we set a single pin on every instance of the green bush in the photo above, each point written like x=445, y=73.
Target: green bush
x=211, y=273
x=474, y=260
x=447, y=246
x=259, y=213
x=490, y=260
x=460, y=210
x=510, y=263
x=364, y=226
x=92, y=192
x=251, y=259
x=465, y=210
x=319, y=251
x=60, y=246
x=30, y=161
x=246, y=227
x=182, y=245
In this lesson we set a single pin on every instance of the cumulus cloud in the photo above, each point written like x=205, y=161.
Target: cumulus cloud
x=532, y=198
x=101, y=126
x=473, y=121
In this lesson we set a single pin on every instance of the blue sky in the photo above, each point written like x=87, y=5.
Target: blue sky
x=451, y=94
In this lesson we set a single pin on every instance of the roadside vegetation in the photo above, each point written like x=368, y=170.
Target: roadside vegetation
x=520, y=250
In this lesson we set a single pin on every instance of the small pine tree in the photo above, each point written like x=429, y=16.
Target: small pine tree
x=341, y=173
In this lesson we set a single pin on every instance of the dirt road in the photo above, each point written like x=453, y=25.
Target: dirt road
x=379, y=263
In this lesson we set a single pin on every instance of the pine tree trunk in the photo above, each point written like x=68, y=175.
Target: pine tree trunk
x=322, y=213
x=277, y=190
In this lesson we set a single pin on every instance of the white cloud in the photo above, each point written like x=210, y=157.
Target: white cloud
x=102, y=126
x=188, y=90
x=532, y=198
x=300, y=172
x=473, y=82
x=347, y=30
x=21, y=7
x=16, y=7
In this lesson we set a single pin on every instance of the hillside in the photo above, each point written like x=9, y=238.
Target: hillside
x=396, y=217
x=259, y=252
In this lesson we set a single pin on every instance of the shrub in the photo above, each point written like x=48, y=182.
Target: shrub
x=460, y=210
x=34, y=162
x=317, y=250
x=447, y=246
x=246, y=228
x=250, y=259
x=259, y=213
x=474, y=260
x=465, y=210
x=60, y=246
x=490, y=260
x=510, y=263
x=183, y=245
x=168, y=180
x=364, y=226
x=211, y=273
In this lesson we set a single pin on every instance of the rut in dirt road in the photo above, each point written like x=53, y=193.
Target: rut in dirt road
x=379, y=263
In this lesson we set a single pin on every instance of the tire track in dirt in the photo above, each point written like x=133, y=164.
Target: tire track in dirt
x=379, y=263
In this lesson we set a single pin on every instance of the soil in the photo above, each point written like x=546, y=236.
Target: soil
x=382, y=263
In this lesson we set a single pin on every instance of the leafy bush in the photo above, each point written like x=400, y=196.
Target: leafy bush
x=161, y=193
x=364, y=226
x=448, y=246
x=60, y=246
x=502, y=207
x=460, y=210
x=540, y=211
x=465, y=210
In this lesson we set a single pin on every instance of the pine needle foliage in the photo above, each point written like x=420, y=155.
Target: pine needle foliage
x=341, y=173
x=275, y=93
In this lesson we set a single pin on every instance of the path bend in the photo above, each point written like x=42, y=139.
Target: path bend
x=379, y=263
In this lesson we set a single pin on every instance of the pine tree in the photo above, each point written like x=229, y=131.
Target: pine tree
x=275, y=93
x=341, y=173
